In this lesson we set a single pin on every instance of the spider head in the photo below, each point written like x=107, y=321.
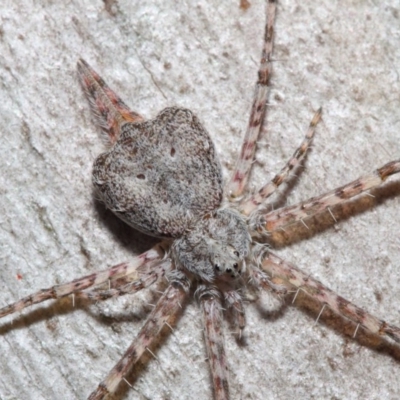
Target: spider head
x=215, y=248
x=227, y=262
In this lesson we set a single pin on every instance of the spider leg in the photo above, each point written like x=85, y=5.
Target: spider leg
x=77, y=285
x=128, y=284
x=234, y=301
x=260, y=279
x=109, y=110
x=244, y=164
x=249, y=205
x=282, y=217
x=165, y=310
x=212, y=314
x=278, y=268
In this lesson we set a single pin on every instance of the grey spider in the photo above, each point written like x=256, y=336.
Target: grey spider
x=149, y=179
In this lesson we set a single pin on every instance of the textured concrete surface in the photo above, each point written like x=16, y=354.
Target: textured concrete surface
x=202, y=55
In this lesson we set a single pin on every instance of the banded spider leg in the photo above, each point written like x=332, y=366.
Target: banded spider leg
x=123, y=278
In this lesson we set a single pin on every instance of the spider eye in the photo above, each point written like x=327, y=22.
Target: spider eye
x=217, y=267
x=236, y=265
x=236, y=253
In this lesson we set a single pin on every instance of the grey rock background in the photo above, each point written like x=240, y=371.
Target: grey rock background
x=202, y=55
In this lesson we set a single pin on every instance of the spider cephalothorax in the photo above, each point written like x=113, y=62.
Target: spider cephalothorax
x=216, y=247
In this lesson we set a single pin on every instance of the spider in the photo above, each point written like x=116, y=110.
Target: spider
x=222, y=284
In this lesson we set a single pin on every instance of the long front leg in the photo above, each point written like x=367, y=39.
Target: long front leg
x=129, y=284
x=287, y=273
x=167, y=307
x=77, y=285
x=214, y=338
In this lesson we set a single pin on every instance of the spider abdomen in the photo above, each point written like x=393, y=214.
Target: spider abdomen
x=161, y=174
